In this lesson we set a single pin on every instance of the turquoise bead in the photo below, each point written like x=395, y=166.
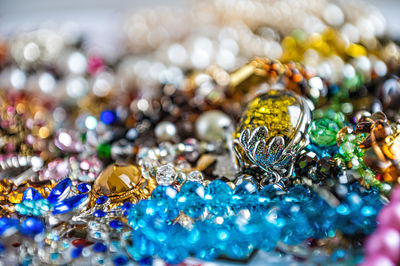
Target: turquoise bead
x=191, y=199
x=218, y=198
x=245, y=196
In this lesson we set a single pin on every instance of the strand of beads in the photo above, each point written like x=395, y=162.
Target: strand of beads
x=215, y=220
x=382, y=247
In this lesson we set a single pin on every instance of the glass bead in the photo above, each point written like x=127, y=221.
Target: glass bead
x=120, y=260
x=116, y=224
x=31, y=227
x=104, y=150
x=191, y=199
x=84, y=188
x=99, y=213
x=165, y=175
x=245, y=196
x=323, y=132
x=99, y=247
x=76, y=253
x=69, y=204
x=101, y=200
x=218, y=198
x=195, y=176
x=31, y=194
x=60, y=191
x=107, y=117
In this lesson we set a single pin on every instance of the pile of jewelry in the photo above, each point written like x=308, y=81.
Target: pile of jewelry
x=215, y=132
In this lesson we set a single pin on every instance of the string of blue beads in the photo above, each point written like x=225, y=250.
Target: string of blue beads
x=241, y=220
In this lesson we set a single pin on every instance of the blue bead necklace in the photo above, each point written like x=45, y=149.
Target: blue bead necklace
x=215, y=220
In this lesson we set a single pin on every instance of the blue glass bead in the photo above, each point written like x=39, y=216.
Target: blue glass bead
x=84, y=187
x=297, y=228
x=60, y=191
x=76, y=253
x=107, y=117
x=175, y=249
x=31, y=194
x=145, y=217
x=333, y=89
x=31, y=227
x=146, y=261
x=201, y=240
x=321, y=217
x=245, y=235
x=116, y=224
x=54, y=256
x=99, y=247
x=8, y=225
x=165, y=197
x=245, y=196
x=191, y=199
x=2, y=248
x=74, y=202
x=354, y=201
x=163, y=192
x=268, y=195
x=141, y=247
x=99, y=213
x=101, y=199
x=297, y=193
x=270, y=232
x=120, y=260
x=218, y=198
x=127, y=206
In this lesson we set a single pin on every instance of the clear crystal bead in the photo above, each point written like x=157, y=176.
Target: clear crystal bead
x=195, y=176
x=146, y=166
x=165, y=175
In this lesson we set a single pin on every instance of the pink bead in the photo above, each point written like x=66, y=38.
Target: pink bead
x=395, y=195
x=95, y=65
x=377, y=260
x=389, y=216
x=385, y=241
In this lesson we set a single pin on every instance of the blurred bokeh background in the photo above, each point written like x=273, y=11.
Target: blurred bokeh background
x=100, y=20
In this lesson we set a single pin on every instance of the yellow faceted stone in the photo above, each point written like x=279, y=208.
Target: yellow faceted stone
x=117, y=179
x=15, y=197
x=279, y=110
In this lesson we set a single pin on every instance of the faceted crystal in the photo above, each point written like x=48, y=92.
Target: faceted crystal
x=218, y=198
x=69, y=204
x=195, y=176
x=31, y=194
x=165, y=175
x=60, y=191
x=323, y=132
x=191, y=199
x=118, y=178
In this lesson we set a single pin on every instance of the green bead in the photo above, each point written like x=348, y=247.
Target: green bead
x=348, y=148
x=104, y=150
x=323, y=132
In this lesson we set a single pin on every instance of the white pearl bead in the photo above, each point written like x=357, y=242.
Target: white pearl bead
x=211, y=126
x=165, y=131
